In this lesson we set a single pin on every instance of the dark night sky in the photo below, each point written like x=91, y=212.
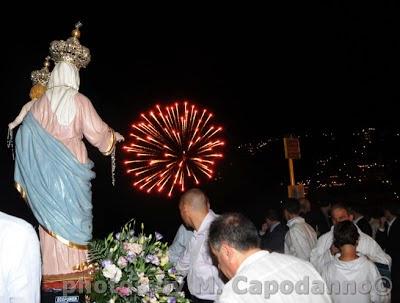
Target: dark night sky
x=263, y=71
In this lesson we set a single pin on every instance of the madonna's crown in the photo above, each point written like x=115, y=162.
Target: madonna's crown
x=42, y=76
x=70, y=50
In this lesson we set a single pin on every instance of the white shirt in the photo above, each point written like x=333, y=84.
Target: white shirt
x=390, y=225
x=263, y=275
x=321, y=254
x=349, y=281
x=202, y=275
x=300, y=239
x=181, y=241
x=20, y=263
x=355, y=221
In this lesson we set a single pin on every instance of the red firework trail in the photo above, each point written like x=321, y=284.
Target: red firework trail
x=173, y=146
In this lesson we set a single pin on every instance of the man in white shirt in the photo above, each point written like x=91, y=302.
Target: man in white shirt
x=325, y=251
x=20, y=263
x=202, y=276
x=258, y=276
x=301, y=238
x=181, y=241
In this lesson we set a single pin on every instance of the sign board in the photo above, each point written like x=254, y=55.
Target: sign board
x=292, y=148
x=296, y=191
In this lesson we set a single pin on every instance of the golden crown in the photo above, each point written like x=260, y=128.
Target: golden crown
x=70, y=50
x=42, y=76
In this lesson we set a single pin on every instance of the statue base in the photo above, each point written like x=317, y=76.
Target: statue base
x=61, y=297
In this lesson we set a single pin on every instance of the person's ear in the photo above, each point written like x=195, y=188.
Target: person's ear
x=226, y=251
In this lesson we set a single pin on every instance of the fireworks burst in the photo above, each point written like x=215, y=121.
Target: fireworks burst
x=173, y=146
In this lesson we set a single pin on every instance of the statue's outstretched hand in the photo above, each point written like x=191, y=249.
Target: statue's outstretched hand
x=119, y=137
x=11, y=125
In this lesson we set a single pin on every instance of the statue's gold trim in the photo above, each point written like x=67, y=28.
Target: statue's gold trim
x=111, y=145
x=22, y=191
x=66, y=242
x=85, y=275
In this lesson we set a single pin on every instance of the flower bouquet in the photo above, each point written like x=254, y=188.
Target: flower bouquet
x=133, y=268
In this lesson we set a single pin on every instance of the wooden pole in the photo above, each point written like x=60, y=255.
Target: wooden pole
x=291, y=172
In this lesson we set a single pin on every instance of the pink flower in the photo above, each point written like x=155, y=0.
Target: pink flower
x=122, y=262
x=124, y=291
x=133, y=248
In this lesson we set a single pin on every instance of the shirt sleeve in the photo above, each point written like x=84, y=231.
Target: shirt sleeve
x=297, y=244
x=379, y=293
x=25, y=267
x=321, y=254
x=95, y=130
x=370, y=248
x=178, y=246
x=183, y=264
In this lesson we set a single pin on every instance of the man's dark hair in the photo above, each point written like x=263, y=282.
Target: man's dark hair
x=340, y=205
x=234, y=229
x=345, y=233
x=273, y=214
x=358, y=208
x=292, y=206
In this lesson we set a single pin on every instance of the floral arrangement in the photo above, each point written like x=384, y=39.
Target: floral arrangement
x=133, y=268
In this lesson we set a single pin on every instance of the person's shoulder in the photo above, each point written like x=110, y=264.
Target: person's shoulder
x=280, y=228
x=364, y=238
x=183, y=230
x=283, y=262
x=283, y=259
x=367, y=263
x=325, y=237
x=14, y=224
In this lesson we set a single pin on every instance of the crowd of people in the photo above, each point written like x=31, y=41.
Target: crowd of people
x=225, y=258
x=333, y=253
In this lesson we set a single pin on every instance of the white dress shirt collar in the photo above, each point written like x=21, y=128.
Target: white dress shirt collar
x=391, y=222
x=295, y=220
x=206, y=222
x=355, y=221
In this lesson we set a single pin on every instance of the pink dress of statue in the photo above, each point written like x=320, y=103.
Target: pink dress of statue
x=69, y=116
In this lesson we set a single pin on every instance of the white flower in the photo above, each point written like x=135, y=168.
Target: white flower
x=143, y=289
x=112, y=272
x=153, y=300
x=143, y=280
x=112, y=300
x=167, y=289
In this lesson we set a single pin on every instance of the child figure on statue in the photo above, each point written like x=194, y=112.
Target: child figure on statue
x=39, y=78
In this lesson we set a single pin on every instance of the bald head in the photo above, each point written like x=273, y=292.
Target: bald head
x=195, y=199
x=193, y=206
